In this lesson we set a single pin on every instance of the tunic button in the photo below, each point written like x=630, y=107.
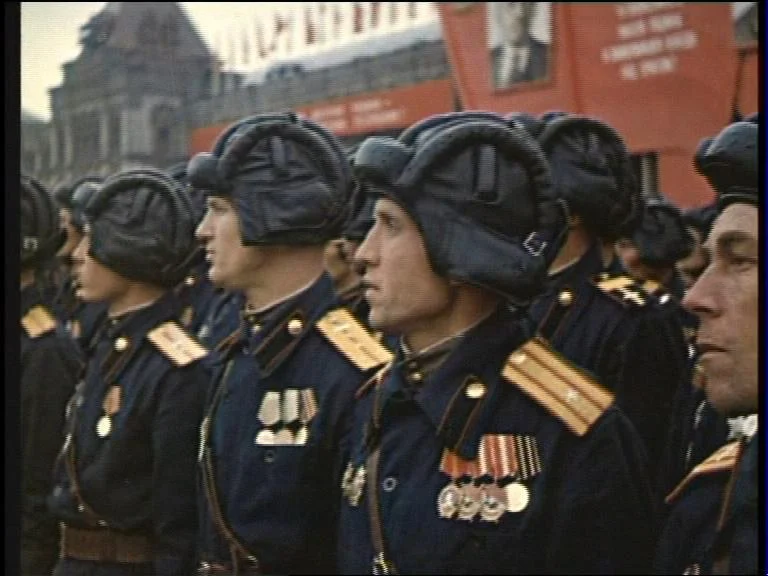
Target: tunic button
x=255, y=328
x=565, y=298
x=475, y=390
x=269, y=456
x=102, y=523
x=417, y=376
x=121, y=343
x=295, y=326
x=389, y=484
x=80, y=508
x=189, y=281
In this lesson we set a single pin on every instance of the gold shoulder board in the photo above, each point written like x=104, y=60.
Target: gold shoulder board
x=722, y=459
x=344, y=331
x=625, y=289
x=559, y=386
x=176, y=344
x=38, y=321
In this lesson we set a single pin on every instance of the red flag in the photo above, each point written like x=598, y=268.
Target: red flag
x=375, y=14
x=309, y=27
x=358, y=18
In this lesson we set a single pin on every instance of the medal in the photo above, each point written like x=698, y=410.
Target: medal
x=265, y=437
x=357, y=485
x=494, y=503
x=308, y=406
x=284, y=437
x=448, y=501
x=346, y=480
x=471, y=500
x=290, y=405
x=517, y=497
x=269, y=411
x=104, y=426
x=301, y=436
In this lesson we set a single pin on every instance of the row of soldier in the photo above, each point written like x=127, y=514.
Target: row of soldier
x=422, y=355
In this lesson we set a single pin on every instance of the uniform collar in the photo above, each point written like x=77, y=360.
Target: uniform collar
x=271, y=335
x=462, y=392
x=126, y=333
x=590, y=264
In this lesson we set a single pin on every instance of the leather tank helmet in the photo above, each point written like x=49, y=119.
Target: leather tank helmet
x=41, y=235
x=141, y=226
x=480, y=192
x=288, y=178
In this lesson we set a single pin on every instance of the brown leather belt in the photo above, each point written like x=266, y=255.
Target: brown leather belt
x=105, y=545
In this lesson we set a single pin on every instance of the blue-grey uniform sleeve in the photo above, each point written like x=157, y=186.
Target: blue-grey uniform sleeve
x=604, y=520
x=174, y=447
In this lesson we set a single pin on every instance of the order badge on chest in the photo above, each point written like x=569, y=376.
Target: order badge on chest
x=491, y=485
x=111, y=406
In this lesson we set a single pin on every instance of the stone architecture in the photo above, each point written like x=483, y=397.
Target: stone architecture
x=123, y=99
x=145, y=80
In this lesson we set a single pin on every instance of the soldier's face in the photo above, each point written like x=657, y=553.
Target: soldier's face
x=725, y=298
x=232, y=265
x=404, y=293
x=95, y=282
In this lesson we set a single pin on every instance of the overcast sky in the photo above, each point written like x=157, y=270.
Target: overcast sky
x=49, y=37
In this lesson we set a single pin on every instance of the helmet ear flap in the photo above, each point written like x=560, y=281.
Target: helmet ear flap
x=42, y=220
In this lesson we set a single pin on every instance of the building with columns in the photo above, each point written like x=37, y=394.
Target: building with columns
x=122, y=102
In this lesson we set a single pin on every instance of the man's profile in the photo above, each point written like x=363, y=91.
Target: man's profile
x=518, y=57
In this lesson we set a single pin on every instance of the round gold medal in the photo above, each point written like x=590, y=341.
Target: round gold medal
x=517, y=497
x=104, y=426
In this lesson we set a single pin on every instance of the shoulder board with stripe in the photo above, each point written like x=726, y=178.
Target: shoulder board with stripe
x=38, y=321
x=351, y=338
x=628, y=291
x=722, y=460
x=175, y=344
x=559, y=386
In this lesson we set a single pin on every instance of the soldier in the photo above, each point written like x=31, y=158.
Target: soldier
x=273, y=437
x=339, y=253
x=125, y=478
x=81, y=319
x=712, y=524
x=50, y=364
x=478, y=450
x=656, y=245
x=603, y=321
x=195, y=291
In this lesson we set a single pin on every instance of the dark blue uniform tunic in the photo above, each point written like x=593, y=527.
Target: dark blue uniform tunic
x=631, y=345
x=590, y=508
x=140, y=477
x=278, y=500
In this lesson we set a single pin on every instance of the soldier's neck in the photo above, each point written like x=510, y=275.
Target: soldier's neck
x=470, y=306
x=136, y=296
x=575, y=246
x=284, y=277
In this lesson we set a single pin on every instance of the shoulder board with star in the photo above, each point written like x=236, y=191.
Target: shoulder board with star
x=350, y=337
x=722, y=460
x=38, y=321
x=627, y=291
x=562, y=388
x=175, y=344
